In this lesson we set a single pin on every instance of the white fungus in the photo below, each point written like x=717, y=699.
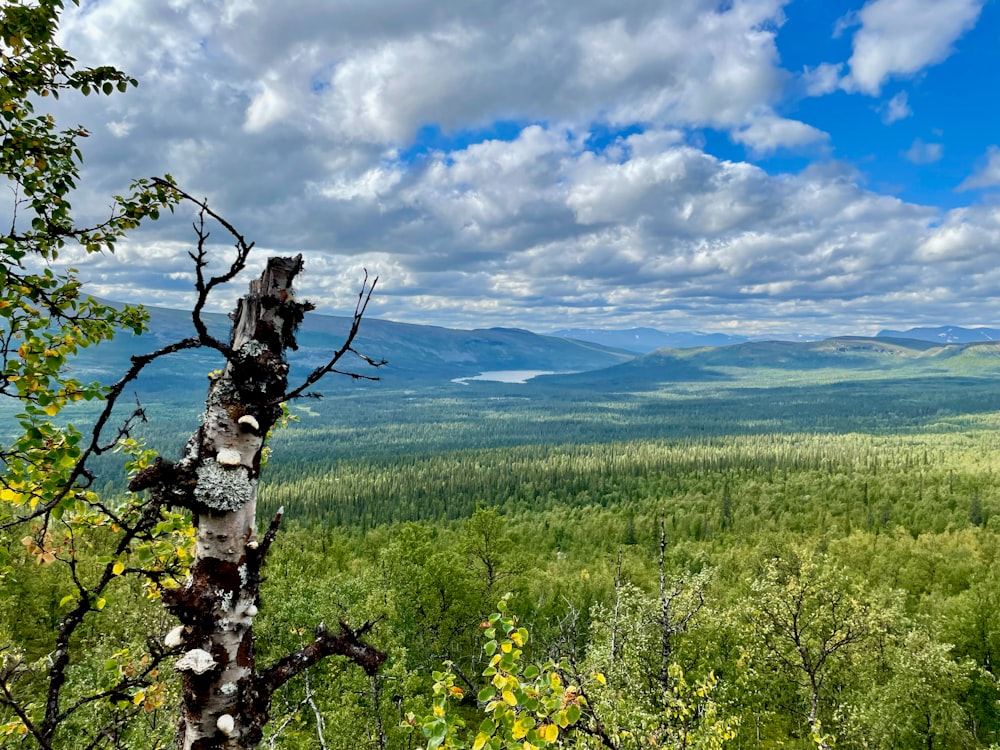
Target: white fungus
x=196, y=660
x=175, y=637
x=229, y=457
x=226, y=724
x=249, y=424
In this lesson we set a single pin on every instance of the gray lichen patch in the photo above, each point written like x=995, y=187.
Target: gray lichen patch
x=222, y=393
x=223, y=489
x=252, y=348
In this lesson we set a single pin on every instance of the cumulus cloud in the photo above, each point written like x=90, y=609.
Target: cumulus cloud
x=897, y=108
x=902, y=37
x=988, y=175
x=823, y=79
x=965, y=237
x=596, y=200
x=924, y=153
x=767, y=133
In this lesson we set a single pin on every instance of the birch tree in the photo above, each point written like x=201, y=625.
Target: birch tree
x=188, y=529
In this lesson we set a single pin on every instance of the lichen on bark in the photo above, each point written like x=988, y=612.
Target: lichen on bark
x=223, y=488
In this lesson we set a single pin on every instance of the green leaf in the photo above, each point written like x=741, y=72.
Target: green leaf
x=573, y=713
x=436, y=733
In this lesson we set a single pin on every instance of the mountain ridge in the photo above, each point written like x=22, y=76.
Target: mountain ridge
x=946, y=334
x=419, y=353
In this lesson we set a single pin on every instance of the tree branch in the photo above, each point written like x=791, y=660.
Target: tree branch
x=346, y=642
x=364, y=296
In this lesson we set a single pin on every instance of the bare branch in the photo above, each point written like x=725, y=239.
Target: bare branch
x=346, y=642
x=364, y=296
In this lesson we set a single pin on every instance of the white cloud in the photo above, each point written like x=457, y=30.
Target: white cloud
x=960, y=240
x=823, y=79
x=902, y=37
x=767, y=133
x=120, y=128
x=371, y=184
x=988, y=175
x=924, y=153
x=299, y=126
x=897, y=108
x=377, y=75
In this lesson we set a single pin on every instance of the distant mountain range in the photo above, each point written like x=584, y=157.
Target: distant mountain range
x=945, y=334
x=637, y=357
x=414, y=353
x=643, y=340
x=769, y=363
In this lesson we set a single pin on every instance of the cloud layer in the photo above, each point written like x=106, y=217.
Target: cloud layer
x=568, y=183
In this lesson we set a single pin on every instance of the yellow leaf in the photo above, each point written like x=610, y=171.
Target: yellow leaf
x=51, y=410
x=138, y=698
x=506, y=647
x=99, y=604
x=9, y=496
x=481, y=739
x=520, y=730
x=509, y=698
x=550, y=733
x=118, y=568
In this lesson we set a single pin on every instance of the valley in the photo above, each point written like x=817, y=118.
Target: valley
x=855, y=478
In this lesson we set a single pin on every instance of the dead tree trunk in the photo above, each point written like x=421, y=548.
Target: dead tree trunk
x=226, y=698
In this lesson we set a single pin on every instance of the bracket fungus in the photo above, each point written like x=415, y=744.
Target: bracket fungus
x=196, y=660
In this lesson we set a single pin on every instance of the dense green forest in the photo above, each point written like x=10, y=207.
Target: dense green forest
x=793, y=566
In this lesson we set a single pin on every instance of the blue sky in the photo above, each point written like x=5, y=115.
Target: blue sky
x=753, y=166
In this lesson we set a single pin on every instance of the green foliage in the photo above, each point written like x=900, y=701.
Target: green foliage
x=639, y=700
x=922, y=701
x=523, y=705
x=850, y=525
x=76, y=548
x=810, y=625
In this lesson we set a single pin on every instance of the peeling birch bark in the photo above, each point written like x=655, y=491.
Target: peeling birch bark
x=226, y=700
x=217, y=604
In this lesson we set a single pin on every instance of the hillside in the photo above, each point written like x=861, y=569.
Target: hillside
x=644, y=340
x=777, y=363
x=413, y=353
x=945, y=334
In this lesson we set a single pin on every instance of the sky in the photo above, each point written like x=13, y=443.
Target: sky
x=738, y=166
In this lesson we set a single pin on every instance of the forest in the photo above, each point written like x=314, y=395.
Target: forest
x=768, y=545
x=736, y=569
